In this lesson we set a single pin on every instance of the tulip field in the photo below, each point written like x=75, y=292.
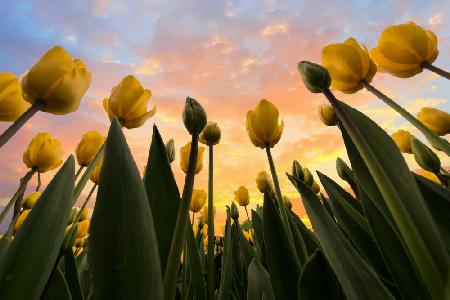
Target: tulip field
x=384, y=234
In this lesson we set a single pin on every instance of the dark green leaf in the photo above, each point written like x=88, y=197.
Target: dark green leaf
x=259, y=240
x=247, y=250
x=71, y=275
x=238, y=265
x=84, y=275
x=299, y=243
x=196, y=274
x=258, y=282
x=311, y=242
x=56, y=288
x=227, y=263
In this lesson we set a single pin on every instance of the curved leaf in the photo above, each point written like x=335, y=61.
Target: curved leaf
x=258, y=282
x=56, y=287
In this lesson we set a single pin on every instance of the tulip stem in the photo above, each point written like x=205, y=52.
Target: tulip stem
x=178, y=239
x=193, y=220
x=246, y=211
x=85, y=177
x=436, y=70
x=210, y=258
x=431, y=136
x=279, y=196
x=8, y=133
x=23, y=185
x=79, y=172
x=39, y=182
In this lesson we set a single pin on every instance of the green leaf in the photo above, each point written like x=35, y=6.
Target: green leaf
x=283, y=264
x=196, y=274
x=259, y=240
x=84, y=275
x=123, y=246
x=357, y=279
x=227, y=263
x=317, y=280
x=238, y=285
x=258, y=282
x=247, y=250
x=29, y=260
x=163, y=194
x=56, y=287
x=71, y=275
x=311, y=242
x=299, y=243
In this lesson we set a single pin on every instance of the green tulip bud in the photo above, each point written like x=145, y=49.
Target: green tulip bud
x=327, y=115
x=309, y=179
x=170, y=150
x=425, y=157
x=72, y=215
x=211, y=134
x=315, y=77
x=194, y=116
x=234, y=212
x=297, y=171
x=343, y=170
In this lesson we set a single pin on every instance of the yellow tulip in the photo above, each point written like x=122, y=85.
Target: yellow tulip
x=327, y=115
x=57, y=81
x=83, y=228
x=403, y=140
x=315, y=187
x=248, y=235
x=436, y=120
x=264, y=182
x=95, y=175
x=198, y=200
x=348, y=63
x=205, y=214
x=211, y=134
x=44, y=153
x=21, y=219
x=12, y=104
x=84, y=213
x=305, y=219
x=241, y=196
x=30, y=200
x=88, y=147
x=429, y=175
x=205, y=231
x=184, y=154
x=128, y=102
x=79, y=242
x=205, y=244
x=402, y=49
x=262, y=125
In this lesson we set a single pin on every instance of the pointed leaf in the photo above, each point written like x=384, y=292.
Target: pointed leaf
x=56, y=287
x=227, y=263
x=196, y=274
x=71, y=276
x=258, y=282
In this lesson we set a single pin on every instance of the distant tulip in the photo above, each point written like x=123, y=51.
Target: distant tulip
x=84, y=213
x=211, y=134
x=95, y=175
x=205, y=244
x=436, y=120
x=264, y=182
x=315, y=187
x=248, y=235
x=402, y=49
x=241, y=196
x=128, y=102
x=21, y=219
x=403, y=140
x=170, y=150
x=57, y=81
x=194, y=116
x=262, y=125
x=12, y=104
x=429, y=175
x=308, y=177
x=327, y=115
x=83, y=228
x=198, y=200
x=88, y=147
x=44, y=153
x=184, y=154
x=205, y=213
x=348, y=64
x=30, y=200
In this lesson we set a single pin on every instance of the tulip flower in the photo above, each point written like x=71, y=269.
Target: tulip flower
x=315, y=187
x=404, y=50
x=263, y=182
x=348, y=63
x=198, y=200
x=315, y=77
x=241, y=196
x=327, y=115
x=30, y=200
x=234, y=212
x=211, y=134
x=184, y=154
x=95, y=175
x=12, y=104
x=83, y=228
x=128, y=102
x=170, y=150
x=403, y=140
x=308, y=177
x=21, y=219
x=436, y=120
x=44, y=153
x=262, y=125
x=194, y=116
x=88, y=147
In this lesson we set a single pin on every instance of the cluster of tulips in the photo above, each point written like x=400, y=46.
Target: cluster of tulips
x=385, y=236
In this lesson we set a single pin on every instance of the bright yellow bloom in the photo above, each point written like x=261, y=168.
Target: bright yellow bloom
x=211, y=134
x=436, y=120
x=44, y=153
x=403, y=48
x=83, y=228
x=262, y=125
x=88, y=147
x=429, y=175
x=23, y=215
x=305, y=219
x=30, y=200
x=327, y=115
x=315, y=187
x=403, y=140
x=128, y=102
x=348, y=63
x=84, y=213
x=79, y=242
x=12, y=104
x=184, y=154
x=264, y=182
x=205, y=214
x=95, y=175
x=56, y=80
x=241, y=196
x=198, y=200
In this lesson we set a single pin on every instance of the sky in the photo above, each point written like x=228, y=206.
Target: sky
x=226, y=54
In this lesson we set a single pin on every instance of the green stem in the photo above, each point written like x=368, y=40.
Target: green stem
x=193, y=220
x=23, y=185
x=419, y=252
x=78, y=172
x=210, y=259
x=173, y=263
x=279, y=197
x=39, y=182
x=85, y=177
x=246, y=211
x=432, y=137
x=8, y=133
x=436, y=70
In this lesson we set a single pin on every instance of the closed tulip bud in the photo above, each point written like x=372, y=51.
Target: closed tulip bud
x=315, y=77
x=211, y=134
x=297, y=171
x=425, y=157
x=57, y=81
x=83, y=228
x=194, y=116
x=429, y=175
x=128, y=102
x=184, y=154
x=44, y=153
x=12, y=104
x=30, y=200
x=21, y=219
x=234, y=212
x=198, y=200
x=170, y=150
x=95, y=175
x=73, y=214
x=287, y=202
x=327, y=115
x=88, y=147
x=79, y=242
x=241, y=196
x=403, y=140
x=84, y=213
x=315, y=187
x=308, y=176
x=262, y=125
x=264, y=182
x=436, y=120
x=402, y=49
x=344, y=170
x=205, y=213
